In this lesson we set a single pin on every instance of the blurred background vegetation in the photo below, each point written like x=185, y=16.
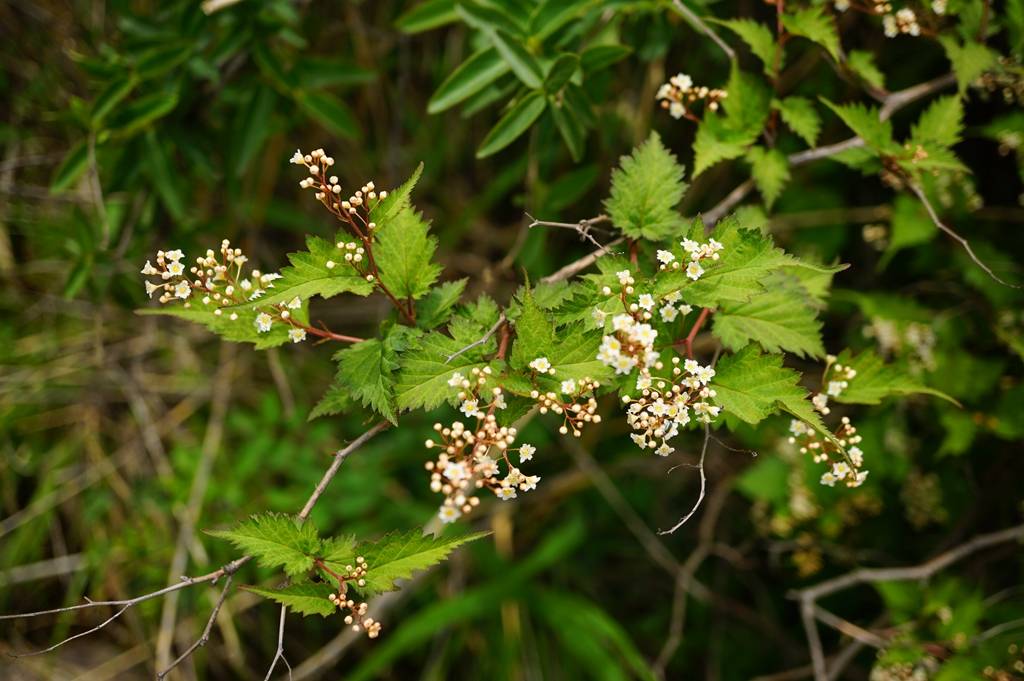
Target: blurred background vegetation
x=130, y=126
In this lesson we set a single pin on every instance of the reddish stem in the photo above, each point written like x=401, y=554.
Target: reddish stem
x=688, y=341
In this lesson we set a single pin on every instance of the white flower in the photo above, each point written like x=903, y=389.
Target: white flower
x=820, y=402
x=664, y=450
x=714, y=246
x=568, y=386
x=456, y=380
x=624, y=364
x=174, y=255
x=686, y=309
x=149, y=269
x=643, y=382
x=682, y=81
x=529, y=483
x=646, y=301
x=828, y=479
x=526, y=452
x=505, y=493
x=694, y=270
x=859, y=480
x=705, y=374
x=665, y=257
x=856, y=456
x=298, y=159
x=673, y=297
x=175, y=268
x=622, y=322
x=889, y=25
x=470, y=408
x=624, y=277
x=690, y=246
x=676, y=110
x=835, y=388
x=542, y=365
x=668, y=313
x=295, y=303
x=691, y=366
x=296, y=334
x=263, y=322
x=456, y=472
x=841, y=5
x=645, y=334
x=797, y=427
x=939, y=6
x=447, y=514
x=182, y=290
x=598, y=315
x=499, y=401
x=150, y=288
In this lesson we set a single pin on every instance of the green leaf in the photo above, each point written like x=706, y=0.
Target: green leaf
x=942, y=123
x=799, y=114
x=561, y=71
x=365, y=369
x=427, y=15
x=749, y=102
x=404, y=252
x=324, y=72
x=423, y=379
x=758, y=37
x=863, y=64
x=110, y=97
x=472, y=76
x=815, y=25
x=778, y=320
x=569, y=126
x=275, y=540
x=241, y=329
x=330, y=112
x=141, y=112
x=770, y=171
x=254, y=128
x=599, y=57
x=398, y=555
x=305, y=599
x=864, y=121
x=309, y=275
x=752, y=386
x=876, y=380
x=716, y=142
x=164, y=177
x=535, y=334
x=969, y=60
x=646, y=188
x=339, y=552
x=514, y=123
x=523, y=64
x=909, y=226
x=72, y=167
x=435, y=308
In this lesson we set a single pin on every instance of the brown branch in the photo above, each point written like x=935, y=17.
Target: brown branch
x=703, y=483
x=577, y=266
x=279, y=655
x=205, y=637
x=699, y=24
x=477, y=343
x=583, y=228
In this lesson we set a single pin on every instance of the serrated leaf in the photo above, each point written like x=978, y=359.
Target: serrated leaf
x=908, y=226
x=514, y=123
x=306, y=599
x=425, y=370
x=365, y=369
x=748, y=105
x=876, y=380
x=404, y=251
x=472, y=76
x=752, y=386
x=812, y=23
x=309, y=276
x=242, y=329
x=275, y=540
x=770, y=171
x=399, y=555
x=758, y=37
x=646, y=188
x=435, y=308
x=864, y=121
x=969, y=60
x=863, y=64
x=942, y=123
x=778, y=320
x=339, y=552
x=535, y=334
x=799, y=114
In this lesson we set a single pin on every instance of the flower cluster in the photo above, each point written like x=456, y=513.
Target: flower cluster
x=631, y=346
x=679, y=95
x=835, y=379
x=579, y=409
x=904, y=21
x=357, y=611
x=217, y=281
x=666, y=406
x=471, y=458
x=697, y=252
x=848, y=468
x=914, y=339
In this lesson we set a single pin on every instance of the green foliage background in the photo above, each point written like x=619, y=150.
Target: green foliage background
x=133, y=126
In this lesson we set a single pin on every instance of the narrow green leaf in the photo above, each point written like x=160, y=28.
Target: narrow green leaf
x=110, y=97
x=513, y=124
x=473, y=75
x=141, y=112
x=600, y=57
x=427, y=15
x=330, y=112
x=561, y=71
x=522, y=63
x=165, y=179
x=72, y=167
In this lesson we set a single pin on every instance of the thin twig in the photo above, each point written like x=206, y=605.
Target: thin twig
x=703, y=484
x=339, y=457
x=956, y=237
x=576, y=266
x=483, y=339
x=694, y=19
x=279, y=655
x=202, y=640
x=583, y=228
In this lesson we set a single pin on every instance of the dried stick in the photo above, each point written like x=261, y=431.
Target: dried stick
x=694, y=20
x=202, y=640
x=583, y=228
x=279, y=655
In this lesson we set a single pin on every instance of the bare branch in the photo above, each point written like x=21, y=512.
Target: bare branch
x=279, y=655
x=483, y=339
x=202, y=640
x=703, y=484
x=956, y=237
x=339, y=457
x=699, y=24
x=576, y=266
x=583, y=228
